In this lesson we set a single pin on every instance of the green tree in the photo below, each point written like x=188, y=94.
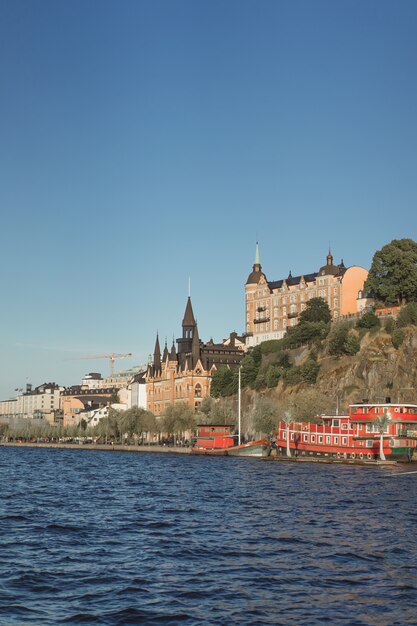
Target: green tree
x=287, y=419
x=392, y=278
x=352, y=344
x=369, y=320
x=309, y=371
x=397, y=338
x=381, y=424
x=272, y=376
x=265, y=416
x=337, y=339
x=317, y=310
x=223, y=382
x=408, y=315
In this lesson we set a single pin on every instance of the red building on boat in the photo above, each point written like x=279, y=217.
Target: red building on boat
x=356, y=436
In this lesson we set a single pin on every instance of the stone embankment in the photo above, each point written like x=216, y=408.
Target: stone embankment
x=102, y=447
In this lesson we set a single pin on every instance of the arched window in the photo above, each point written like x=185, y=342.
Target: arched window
x=197, y=390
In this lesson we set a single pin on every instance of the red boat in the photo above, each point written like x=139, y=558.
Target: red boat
x=362, y=435
x=218, y=440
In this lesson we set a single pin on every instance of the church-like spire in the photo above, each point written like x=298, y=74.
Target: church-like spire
x=330, y=257
x=256, y=273
x=157, y=355
x=188, y=315
x=165, y=354
x=173, y=353
x=257, y=257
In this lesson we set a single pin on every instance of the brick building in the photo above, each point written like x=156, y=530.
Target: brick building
x=183, y=374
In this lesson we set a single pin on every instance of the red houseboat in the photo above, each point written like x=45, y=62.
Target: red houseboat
x=356, y=436
x=218, y=439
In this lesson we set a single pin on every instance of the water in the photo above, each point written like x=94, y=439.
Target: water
x=117, y=538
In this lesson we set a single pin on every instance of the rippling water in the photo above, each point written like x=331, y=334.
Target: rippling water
x=115, y=538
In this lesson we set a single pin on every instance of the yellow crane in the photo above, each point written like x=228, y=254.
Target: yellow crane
x=112, y=356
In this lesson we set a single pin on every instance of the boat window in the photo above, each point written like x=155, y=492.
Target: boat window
x=344, y=440
x=313, y=438
x=327, y=438
x=336, y=423
x=305, y=437
x=292, y=436
x=369, y=443
x=344, y=426
x=336, y=439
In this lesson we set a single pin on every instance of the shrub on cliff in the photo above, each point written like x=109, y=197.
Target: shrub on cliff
x=369, y=320
x=352, y=344
x=408, y=315
x=397, y=338
x=337, y=339
x=309, y=371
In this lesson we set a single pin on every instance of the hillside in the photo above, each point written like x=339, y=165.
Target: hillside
x=377, y=371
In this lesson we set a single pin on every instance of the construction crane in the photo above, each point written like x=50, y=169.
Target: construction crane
x=112, y=356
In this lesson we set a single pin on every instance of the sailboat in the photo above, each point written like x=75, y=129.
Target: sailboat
x=218, y=439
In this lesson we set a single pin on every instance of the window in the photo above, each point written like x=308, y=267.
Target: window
x=369, y=443
x=197, y=389
x=275, y=324
x=320, y=438
x=336, y=440
x=305, y=437
x=276, y=311
x=335, y=422
x=344, y=441
x=327, y=438
x=313, y=438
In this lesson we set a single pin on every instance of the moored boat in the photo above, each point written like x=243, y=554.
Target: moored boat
x=218, y=440
x=371, y=431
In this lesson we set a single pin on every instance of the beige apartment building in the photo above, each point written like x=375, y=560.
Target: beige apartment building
x=271, y=307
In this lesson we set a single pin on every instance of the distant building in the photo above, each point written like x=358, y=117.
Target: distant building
x=43, y=402
x=184, y=374
x=271, y=307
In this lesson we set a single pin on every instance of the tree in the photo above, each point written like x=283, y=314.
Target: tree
x=381, y=424
x=397, y=338
x=178, y=418
x=392, y=278
x=337, y=339
x=223, y=382
x=352, y=344
x=317, y=310
x=408, y=315
x=287, y=419
x=265, y=416
x=369, y=320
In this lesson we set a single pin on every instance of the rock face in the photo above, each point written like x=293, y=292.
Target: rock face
x=376, y=372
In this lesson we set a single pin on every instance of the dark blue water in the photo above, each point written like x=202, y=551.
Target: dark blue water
x=116, y=538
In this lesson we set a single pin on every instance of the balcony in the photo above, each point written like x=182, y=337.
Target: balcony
x=259, y=321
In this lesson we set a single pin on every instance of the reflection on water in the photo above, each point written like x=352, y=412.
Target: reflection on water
x=115, y=538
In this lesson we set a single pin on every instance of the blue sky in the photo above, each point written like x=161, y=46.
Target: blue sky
x=144, y=143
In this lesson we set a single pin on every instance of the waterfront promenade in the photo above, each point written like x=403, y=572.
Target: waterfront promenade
x=104, y=447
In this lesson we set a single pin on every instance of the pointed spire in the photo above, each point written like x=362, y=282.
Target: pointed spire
x=330, y=257
x=257, y=257
x=173, y=353
x=165, y=354
x=188, y=315
x=157, y=355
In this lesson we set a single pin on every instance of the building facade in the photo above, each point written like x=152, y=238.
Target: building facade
x=184, y=374
x=271, y=307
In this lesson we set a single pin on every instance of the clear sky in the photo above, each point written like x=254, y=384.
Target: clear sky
x=143, y=143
